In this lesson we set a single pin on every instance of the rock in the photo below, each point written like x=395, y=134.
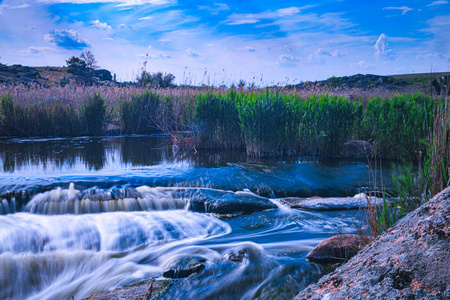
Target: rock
x=185, y=267
x=151, y=289
x=409, y=261
x=103, y=74
x=337, y=249
x=356, y=148
x=237, y=256
x=330, y=204
x=223, y=202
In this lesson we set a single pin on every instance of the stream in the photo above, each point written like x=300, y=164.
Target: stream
x=79, y=216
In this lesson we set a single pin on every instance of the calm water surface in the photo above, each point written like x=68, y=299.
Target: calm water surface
x=84, y=215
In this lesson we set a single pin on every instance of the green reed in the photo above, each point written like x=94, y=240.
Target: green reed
x=397, y=126
x=269, y=123
x=327, y=123
x=217, y=121
x=137, y=112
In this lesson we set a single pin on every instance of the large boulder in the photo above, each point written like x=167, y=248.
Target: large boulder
x=409, y=261
x=337, y=249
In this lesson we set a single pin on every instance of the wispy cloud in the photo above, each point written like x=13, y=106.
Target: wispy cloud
x=404, y=9
x=430, y=55
x=119, y=2
x=99, y=25
x=192, y=53
x=36, y=51
x=145, y=18
x=441, y=2
x=69, y=39
x=287, y=60
x=240, y=19
x=216, y=8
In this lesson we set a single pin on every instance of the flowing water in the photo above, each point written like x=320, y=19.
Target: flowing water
x=85, y=215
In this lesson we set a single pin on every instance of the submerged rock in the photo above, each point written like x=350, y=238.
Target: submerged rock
x=185, y=267
x=329, y=204
x=151, y=289
x=409, y=261
x=228, y=203
x=356, y=148
x=337, y=249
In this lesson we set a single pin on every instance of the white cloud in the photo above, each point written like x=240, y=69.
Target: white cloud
x=430, y=55
x=438, y=3
x=250, y=49
x=381, y=48
x=145, y=18
x=154, y=57
x=287, y=60
x=244, y=19
x=99, y=25
x=119, y=2
x=288, y=11
x=361, y=65
x=216, y=8
x=240, y=19
x=404, y=9
x=192, y=53
x=36, y=51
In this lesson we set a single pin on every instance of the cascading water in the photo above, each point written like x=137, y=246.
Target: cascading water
x=71, y=227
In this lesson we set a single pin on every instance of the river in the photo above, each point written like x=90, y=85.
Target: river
x=80, y=216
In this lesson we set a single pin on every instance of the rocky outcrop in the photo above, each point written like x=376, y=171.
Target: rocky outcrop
x=337, y=249
x=367, y=81
x=409, y=261
x=18, y=74
x=330, y=204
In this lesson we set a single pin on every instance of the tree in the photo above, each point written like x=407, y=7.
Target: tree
x=89, y=59
x=76, y=62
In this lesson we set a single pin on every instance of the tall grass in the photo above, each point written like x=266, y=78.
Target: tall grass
x=327, y=123
x=397, y=126
x=269, y=123
x=217, y=121
x=138, y=112
x=272, y=122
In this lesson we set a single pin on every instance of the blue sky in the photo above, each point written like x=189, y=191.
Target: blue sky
x=208, y=42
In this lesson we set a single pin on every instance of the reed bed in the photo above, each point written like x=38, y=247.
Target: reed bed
x=272, y=122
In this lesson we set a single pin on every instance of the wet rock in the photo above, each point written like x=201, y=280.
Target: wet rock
x=337, y=249
x=221, y=202
x=237, y=256
x=330, y=204
x=356, y=148
x=409, y=261
x=151, y=289
x=185, y=267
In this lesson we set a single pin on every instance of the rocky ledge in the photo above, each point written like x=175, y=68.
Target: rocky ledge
x=409, y=261
x=329, y=204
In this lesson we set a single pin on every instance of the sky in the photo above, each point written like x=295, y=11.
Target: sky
x=214, y=43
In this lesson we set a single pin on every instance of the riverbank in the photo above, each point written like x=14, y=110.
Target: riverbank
x=301, y=125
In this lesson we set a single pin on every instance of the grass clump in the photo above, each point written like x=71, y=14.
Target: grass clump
x=269, y=123
x=397, y=126
x=138, y=113
x=217, y=121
